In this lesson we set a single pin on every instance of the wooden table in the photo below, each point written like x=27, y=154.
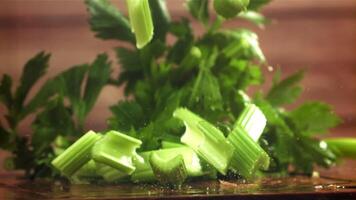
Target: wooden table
x=339, y=182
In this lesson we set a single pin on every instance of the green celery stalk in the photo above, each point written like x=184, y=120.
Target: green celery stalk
x=143, y=172
x=109, y=174
x=342, y=147
x=194, y=166
x=248, y=156
x=141, y=21
x=77, y=155
x=117, y=150
x=206, y=140
x=89, y=170
x=252, y=120
x=168, y=171
x=191, y=159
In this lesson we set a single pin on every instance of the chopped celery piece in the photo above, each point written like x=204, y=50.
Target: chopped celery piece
x=194, y=166
x=191, y=159
x=206, y=140
x=109, y=174
x=168, y=171
x=252, y=120
x=143, y=172
x=248, y=156
x=116, y=150
x=141, y=21
x=168, y=144
x=75, y=156
x=89, y=170
x=342, y=147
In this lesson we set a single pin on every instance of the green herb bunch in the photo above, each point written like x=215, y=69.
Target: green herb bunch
x=209, y=75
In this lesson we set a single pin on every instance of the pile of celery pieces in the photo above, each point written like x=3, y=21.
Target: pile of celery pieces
x=204, y=152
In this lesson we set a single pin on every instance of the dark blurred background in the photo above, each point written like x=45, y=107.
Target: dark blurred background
x=318, y=35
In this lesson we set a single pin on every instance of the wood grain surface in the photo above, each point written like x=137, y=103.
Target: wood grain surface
x=318, y=35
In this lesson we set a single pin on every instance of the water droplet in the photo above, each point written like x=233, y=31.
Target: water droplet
x=270, y=68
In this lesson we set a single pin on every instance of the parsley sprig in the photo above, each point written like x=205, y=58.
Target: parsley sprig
x=208, y=74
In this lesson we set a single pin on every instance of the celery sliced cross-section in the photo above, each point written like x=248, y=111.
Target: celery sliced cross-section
x=168, y=171
x=248, y=157
x=116, y=150
x=77, y=155
x=252, y=120
x=141, y=21
x=206, y=140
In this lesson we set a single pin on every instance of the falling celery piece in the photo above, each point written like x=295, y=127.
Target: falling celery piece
x=168, y=171
x=252, y=120
x=116, y=150
x=168, y=144
x=141, y=21
x=342, y=147
x=77, y=155
x=206, y=140
x=248, y=157
x=143, y=172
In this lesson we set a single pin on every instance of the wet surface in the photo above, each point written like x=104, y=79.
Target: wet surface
x=336, y=183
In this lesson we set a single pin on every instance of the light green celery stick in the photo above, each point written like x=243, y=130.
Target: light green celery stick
x=206, y=140
x=89, y=170
x=141, y=21
x=342, y=147
x=117, y=150
x=109, y=174
x=191, y=159
x=248, y=157
x=252, y=120
x=143, y=172
x=168, y=171
x=77, y=155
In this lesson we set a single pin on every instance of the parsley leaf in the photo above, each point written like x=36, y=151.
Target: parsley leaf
x=314, y=118
x=286, y=90
x=5, y=90
x=127, y=115
x=32, y=71
x=161, y=19
x=98, y=76
x=131, y=68
x=257, y=4
x=199, y=9
x=55, y=120
x=107, y=22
